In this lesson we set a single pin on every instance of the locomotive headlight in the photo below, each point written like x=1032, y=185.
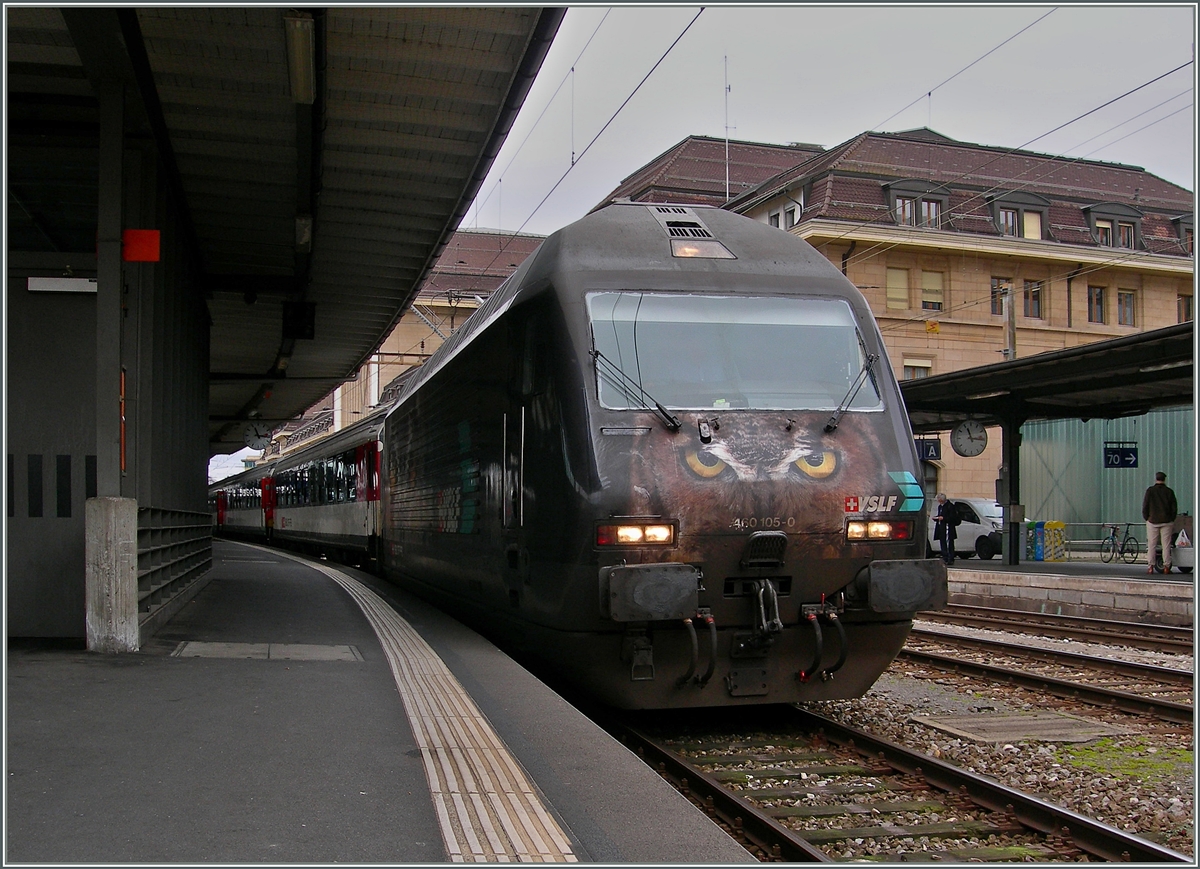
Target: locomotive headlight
x=857, y=529
x=634, y=534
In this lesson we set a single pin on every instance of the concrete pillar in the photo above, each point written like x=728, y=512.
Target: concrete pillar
x=111, y=580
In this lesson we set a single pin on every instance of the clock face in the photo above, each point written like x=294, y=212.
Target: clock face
x=969, y=438
x=257, y=435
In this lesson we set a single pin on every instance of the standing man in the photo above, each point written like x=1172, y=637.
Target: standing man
x=945, y=518
x=1158, y=509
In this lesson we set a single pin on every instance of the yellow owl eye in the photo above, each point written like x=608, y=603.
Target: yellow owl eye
x=819, y=465
x=704, y=465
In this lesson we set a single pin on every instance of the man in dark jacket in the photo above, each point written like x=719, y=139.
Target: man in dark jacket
x=1159, y=509
x=945, y=519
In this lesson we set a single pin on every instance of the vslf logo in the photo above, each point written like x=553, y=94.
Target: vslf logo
x=871, y=503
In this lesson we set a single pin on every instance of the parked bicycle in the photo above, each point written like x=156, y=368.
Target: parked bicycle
x=1128, y=548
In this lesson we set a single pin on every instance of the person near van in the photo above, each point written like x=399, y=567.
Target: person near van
x=945, y=520
x=1159, y=509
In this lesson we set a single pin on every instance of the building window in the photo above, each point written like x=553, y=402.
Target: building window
x=1033, y=299
x=1000, y=288
x=897, y=289
x=1125, y=307
x=906, y=211
x=1183, y=308
x=932, y=292
x=1032, y=224
x=915, y=369
x=1095, y=304
x=789, y=218
x=1008, y=221
x=1125, y=235
x=1114, y=224
x=931, y=213
x=774, y=220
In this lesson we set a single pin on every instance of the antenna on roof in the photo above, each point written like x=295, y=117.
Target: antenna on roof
x=727, y=128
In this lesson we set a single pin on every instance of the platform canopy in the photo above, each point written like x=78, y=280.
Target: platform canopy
x=322, y=157
x=1124, y=376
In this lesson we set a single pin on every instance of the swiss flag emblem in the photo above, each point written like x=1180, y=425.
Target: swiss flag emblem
x=852, y=504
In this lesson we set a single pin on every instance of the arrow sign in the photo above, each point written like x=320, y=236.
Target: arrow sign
x=1120, y=457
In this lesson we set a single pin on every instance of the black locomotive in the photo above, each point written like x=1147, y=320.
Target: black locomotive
x=668, y=458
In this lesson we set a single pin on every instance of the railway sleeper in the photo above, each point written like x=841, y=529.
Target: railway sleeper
x=948, y=830
x=839, y=809
x=776, y=773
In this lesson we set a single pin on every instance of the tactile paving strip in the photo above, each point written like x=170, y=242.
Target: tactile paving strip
x=486, y=806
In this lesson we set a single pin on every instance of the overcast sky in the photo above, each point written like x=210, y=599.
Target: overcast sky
x=823, y=74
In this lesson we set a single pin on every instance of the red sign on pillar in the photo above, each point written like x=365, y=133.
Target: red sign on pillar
x=140, y=245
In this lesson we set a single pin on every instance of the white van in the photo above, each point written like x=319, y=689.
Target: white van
x=979, y=525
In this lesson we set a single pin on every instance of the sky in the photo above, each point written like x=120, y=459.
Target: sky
x=992, y=75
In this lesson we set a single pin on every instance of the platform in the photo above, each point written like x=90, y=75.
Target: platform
x=298, y=713
x=1122, y=592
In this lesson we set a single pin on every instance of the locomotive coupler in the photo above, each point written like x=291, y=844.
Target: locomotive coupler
x=767, y=624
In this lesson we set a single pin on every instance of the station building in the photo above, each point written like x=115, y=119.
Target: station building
x=970, y=254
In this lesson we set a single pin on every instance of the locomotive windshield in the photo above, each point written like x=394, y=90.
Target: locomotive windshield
x=693, y=352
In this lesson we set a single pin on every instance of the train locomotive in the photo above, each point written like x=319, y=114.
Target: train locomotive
x=669, y=460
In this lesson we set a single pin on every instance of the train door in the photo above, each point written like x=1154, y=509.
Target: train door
x=268, y=505
x=222, y=506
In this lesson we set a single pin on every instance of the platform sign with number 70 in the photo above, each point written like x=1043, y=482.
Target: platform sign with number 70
x=1120, y=456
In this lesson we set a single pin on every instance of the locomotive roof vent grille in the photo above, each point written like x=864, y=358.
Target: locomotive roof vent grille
x=682, y=225
x=686, y=229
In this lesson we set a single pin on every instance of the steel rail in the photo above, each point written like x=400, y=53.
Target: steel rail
x=1054, y=656
x=1086, y=833
x=1165, y=709
x=738, y=813
x=1154, y=637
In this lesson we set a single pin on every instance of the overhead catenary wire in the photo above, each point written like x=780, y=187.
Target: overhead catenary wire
x=890, y=216
x=929, y=92
x=607, y=123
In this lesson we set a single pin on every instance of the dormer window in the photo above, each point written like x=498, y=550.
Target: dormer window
x=1114, y=224
x=918, y=203
x=1184, y=226
x=1020, y=215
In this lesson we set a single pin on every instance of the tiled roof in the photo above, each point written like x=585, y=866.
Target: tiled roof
x=944, y=161
x=476, y=262
x=692, y=172
x=847, y=183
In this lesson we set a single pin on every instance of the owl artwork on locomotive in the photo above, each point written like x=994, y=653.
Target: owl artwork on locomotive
x=695, y=467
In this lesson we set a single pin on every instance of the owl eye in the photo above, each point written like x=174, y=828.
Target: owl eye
x=705, y=464
x=818, y=465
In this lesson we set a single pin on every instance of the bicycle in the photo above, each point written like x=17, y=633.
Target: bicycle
x=1129, y=548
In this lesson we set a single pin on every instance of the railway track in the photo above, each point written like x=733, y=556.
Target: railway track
x=1162, y=638
x=1141, y=689
x=815, y=790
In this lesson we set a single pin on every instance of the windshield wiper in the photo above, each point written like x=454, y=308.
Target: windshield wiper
x=863, y=373
x=632, y=389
